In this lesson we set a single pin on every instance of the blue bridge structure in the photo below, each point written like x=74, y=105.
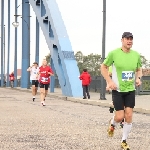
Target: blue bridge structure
x=63, y=62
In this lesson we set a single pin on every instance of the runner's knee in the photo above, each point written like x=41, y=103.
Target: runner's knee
x=33, y=87
x=119, y=117
x=128, y=117
x=42, y=91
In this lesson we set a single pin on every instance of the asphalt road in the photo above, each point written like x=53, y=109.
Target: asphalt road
x=62, y=125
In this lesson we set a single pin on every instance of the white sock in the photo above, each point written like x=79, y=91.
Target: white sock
x=113, y=121
x=126, y=130
x=33, y=96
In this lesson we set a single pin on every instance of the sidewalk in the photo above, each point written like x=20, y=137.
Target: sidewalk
x=142, y=101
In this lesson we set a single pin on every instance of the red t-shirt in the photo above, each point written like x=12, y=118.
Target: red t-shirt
x=11, y=76
x=44, y=76
x=86, y=78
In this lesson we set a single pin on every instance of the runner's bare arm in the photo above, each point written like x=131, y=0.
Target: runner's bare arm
x=139, y=73
x=104, y=72
x=50, y=73
x=29, y=69
x=37, y=75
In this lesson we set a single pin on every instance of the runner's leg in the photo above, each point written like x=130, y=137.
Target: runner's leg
x=119, y=111
x=129, y=105
x=42, y=92
x=46, y=90
x=36, y=86
x=33, y=89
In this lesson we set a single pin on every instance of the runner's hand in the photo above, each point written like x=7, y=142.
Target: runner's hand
x=50, y=73
x=107, y=88
x=138, y=82
x=37, y=76
x=112, y=85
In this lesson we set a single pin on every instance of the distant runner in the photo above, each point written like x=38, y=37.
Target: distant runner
x=12, y=78
x=44, y=79
x=34, y=69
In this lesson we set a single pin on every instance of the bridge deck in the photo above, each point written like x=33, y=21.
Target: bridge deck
x=61, y=125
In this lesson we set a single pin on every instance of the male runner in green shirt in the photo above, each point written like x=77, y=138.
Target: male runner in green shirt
x=110, y=74
x=111, y=109
x=125, y=63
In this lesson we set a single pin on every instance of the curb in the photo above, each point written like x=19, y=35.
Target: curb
x=87, y=102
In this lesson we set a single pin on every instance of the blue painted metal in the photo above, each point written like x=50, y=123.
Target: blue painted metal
x=37, y=42
x=15, y=54
x=52, y=84
x=25, y=76
x=56, y=36
x=2, y=51
x=8, y=53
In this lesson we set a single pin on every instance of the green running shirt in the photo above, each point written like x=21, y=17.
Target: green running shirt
x=110, y=69
x=124, y=66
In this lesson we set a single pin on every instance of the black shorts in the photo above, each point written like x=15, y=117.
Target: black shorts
x=44, y=86
x=35, y=82
x=123, y=99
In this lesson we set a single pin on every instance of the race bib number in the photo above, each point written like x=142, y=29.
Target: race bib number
x=44, y=79
x=11, y=78
x=35, y=71
x=127, y=75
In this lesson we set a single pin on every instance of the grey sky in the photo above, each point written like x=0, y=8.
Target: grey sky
x=83, y=20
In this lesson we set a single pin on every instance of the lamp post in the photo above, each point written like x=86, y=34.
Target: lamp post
x=16, y=24
x=4, y=52
x=8, y=53
x=4, y=77
x=2, y=29
x=15, y=52
x=25, y=76
x=37, y=42
x=103, y=82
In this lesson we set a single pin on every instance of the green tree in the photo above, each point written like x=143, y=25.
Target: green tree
x=79, y=58
x=91, y=62
x=48, y=58
x=145, y=62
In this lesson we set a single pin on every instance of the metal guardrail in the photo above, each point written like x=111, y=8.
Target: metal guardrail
x=144, y=89
x=95, y=85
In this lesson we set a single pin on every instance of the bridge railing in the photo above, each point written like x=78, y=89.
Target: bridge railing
x=95, y=85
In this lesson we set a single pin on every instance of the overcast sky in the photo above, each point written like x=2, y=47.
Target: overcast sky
x=83, y=20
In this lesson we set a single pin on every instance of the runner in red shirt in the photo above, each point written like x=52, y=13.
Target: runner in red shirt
x=45, y=72
x=86, y=80
x=12, y=78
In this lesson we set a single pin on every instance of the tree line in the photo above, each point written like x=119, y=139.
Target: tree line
x=92, y=62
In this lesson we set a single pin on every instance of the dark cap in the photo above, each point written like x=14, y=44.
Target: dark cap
x=127, y=34
x=35, y=63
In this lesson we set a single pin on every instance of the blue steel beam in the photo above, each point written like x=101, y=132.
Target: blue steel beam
x=8, y=52
x=2, y=34
x=52, y=84
x=56, y=36
x=37, y=42
x=15, y=54
x=25, y=44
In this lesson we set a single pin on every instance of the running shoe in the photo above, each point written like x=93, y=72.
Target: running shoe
x=43, y=103
x=121, y=124
x=111, y=129
x=124, y=145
